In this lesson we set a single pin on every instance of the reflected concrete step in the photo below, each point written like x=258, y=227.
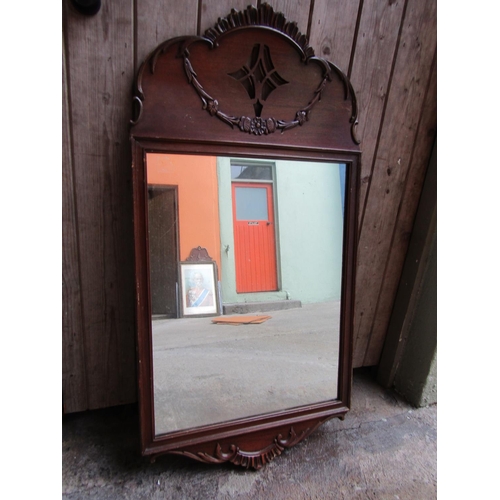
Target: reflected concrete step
x=249, y=307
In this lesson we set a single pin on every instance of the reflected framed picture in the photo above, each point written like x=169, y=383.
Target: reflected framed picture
x=198, y=289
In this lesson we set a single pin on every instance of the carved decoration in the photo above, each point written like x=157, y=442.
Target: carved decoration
x=250, y=459
x=259, y=77
x=199, y=254
x=255, y=125
x=262, y=16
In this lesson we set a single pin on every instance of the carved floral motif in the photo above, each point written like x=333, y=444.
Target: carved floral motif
x=257, y=125
x=213, y=107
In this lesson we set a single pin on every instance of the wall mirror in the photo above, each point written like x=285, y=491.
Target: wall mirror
x=245, y=181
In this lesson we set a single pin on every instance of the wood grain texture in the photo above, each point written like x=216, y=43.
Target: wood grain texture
x=98, y=323
x=100, y=55
x=374, y=54
x=212, y=10
x=333, y=26
x=295, y=11
x=74, y=384
x=156, y=22
x=421, y=249
x=407, y=94
x=407, y=210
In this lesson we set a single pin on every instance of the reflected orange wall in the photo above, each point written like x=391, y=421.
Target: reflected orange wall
x=196, y=181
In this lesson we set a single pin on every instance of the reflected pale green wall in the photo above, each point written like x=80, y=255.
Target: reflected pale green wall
x=309, y=233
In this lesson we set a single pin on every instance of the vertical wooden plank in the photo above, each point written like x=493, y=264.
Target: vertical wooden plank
x=333, y=25
x=373, y=57
x=295, y=11
x=392, y=162
x=74, y=385
x=421, y=248
x=156, y=22
x=100, y=71
x=426, y=134
x=212, y=10
x=367, y=53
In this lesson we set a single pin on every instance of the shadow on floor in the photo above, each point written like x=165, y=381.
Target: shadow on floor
x=384, y=448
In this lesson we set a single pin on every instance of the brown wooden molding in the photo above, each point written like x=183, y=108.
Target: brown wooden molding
x=249, y=459
x=349, y=94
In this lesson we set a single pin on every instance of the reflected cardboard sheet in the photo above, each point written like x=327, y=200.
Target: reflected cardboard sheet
x=274, y=233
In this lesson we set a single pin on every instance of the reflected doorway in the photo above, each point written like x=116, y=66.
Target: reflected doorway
x=163, y=250
x=254, y=237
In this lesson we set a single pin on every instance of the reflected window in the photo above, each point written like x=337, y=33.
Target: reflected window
x=251, y=172
x=251, y=203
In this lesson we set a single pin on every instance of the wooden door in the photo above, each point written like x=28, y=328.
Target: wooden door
x=254, y=237
x=163, y=249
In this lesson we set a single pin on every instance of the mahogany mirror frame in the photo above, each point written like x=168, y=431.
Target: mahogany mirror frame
x=174, y=116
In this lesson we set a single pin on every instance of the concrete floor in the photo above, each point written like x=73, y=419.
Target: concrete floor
x=384, y=449
x=236, y=371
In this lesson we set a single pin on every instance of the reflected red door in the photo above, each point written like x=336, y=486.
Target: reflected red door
x=254, y=237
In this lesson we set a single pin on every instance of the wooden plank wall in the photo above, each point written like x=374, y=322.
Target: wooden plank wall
x=388, y=50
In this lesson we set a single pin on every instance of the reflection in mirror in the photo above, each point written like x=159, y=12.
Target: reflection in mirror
x=274, y=233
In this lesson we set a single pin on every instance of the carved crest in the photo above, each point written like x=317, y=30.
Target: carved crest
x=259, y=76
x=199, y=254
x=260, y=16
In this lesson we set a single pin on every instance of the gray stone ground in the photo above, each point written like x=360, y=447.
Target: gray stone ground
x=384, y=449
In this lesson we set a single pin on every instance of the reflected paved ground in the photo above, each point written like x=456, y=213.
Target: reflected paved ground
x=234, y=371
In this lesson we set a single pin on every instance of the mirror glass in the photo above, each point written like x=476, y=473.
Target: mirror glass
x=256, y=329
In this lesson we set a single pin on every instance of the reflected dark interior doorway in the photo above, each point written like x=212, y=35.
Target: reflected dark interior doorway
x=163, y=250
